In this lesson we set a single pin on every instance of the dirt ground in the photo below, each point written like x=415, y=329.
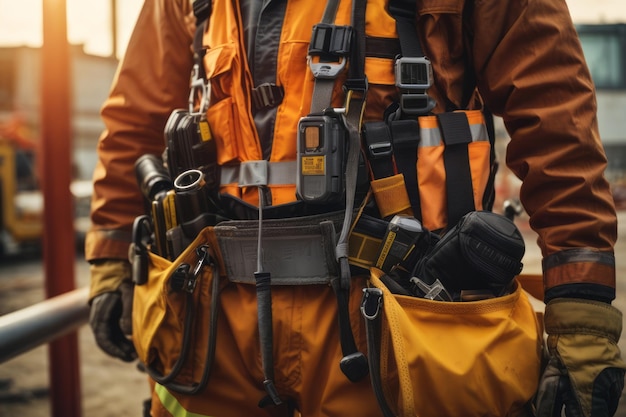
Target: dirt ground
x=111, y=388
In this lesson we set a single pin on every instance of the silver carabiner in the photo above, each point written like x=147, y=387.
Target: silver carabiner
x=199, y=88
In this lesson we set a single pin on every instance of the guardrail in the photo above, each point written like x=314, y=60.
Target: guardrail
x=25, y=329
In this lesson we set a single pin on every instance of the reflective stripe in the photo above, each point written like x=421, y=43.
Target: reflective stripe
x=172, y=405
x=278, y=173
x=431, y=136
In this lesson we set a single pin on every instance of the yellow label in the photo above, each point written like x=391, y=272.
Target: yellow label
x=205, y=130
x=169, y=210
x=313, y=165
x=385, y=250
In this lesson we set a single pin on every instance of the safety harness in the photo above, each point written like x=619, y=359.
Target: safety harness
x=388, y=148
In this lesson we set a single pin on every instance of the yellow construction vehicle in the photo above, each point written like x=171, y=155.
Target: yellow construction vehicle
x=21, y=199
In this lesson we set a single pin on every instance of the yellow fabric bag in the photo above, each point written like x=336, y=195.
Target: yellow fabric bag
x=171, y=320
x=437, y=358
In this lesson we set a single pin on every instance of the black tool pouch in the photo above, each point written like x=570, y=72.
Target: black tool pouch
x=483, y=251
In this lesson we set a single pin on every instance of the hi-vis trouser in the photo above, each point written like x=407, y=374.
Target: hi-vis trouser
x=306, y=353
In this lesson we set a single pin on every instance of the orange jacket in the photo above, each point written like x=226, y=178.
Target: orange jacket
x=524, y=58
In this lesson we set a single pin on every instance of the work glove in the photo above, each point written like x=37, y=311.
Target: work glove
x=111, y=299
x=584, y=373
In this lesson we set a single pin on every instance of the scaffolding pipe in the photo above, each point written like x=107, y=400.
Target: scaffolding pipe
x=41, y=323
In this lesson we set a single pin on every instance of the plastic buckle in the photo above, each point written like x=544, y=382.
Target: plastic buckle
x=380, y=150
x=329, y=42
x=267, y=95
x=419, y=103
x=413, y=73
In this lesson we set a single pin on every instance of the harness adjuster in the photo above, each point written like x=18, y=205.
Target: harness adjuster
x=267, y=95
x=416, y=103
x=413, y=73
x=380, y=150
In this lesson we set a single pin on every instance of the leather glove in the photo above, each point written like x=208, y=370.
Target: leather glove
x=585, y=372
x=111, y=301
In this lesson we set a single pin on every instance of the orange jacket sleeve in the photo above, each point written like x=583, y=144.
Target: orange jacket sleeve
x=151, y=81
x=530, y=70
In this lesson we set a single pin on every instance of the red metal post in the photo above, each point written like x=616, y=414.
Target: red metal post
x=58, y=237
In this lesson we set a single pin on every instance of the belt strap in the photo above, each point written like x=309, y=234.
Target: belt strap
x=278, y=173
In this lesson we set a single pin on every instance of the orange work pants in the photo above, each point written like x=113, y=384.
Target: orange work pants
x=306, y=355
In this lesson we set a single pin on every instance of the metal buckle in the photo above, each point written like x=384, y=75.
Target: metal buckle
x=419, y=103
x=200, y=89
x=413, y=73
x=371, y=302
x=327, y=70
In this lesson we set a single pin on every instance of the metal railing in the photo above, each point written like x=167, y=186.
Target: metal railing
x=41, y=323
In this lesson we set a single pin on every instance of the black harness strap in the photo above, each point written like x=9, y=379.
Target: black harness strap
x=406, y=137
x=456, y=134
x=353, y=363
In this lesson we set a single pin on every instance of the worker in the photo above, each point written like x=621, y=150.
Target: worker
x=521, y=60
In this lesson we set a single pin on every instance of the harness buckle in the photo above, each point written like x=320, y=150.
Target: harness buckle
x=413, y=73
x=416, y=103
x=380, y=150
x=331, y=44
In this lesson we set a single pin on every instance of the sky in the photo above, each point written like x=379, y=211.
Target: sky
x=89, y=21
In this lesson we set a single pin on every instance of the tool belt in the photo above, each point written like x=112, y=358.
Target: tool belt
x=177, y=299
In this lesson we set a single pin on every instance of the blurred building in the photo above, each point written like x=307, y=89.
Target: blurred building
x=20, y=93
x=605, y=51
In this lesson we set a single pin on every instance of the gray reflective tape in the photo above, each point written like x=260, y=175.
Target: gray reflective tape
x=253, y=173
x=278, y=173
x=432, y=136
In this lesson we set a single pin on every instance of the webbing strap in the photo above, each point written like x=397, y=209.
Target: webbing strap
x=353, y=364
x=404, y=13
x=324, y=84
x=456, y=134
x=371, y=309
x=406, y=138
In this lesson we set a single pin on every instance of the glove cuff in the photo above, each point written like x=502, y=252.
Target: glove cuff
x=580, y=316
x=107, y=276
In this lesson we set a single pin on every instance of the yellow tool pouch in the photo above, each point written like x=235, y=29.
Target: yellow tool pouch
x=437, y=358
x=173, y=312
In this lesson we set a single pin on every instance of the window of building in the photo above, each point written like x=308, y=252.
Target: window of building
x=604, y=48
